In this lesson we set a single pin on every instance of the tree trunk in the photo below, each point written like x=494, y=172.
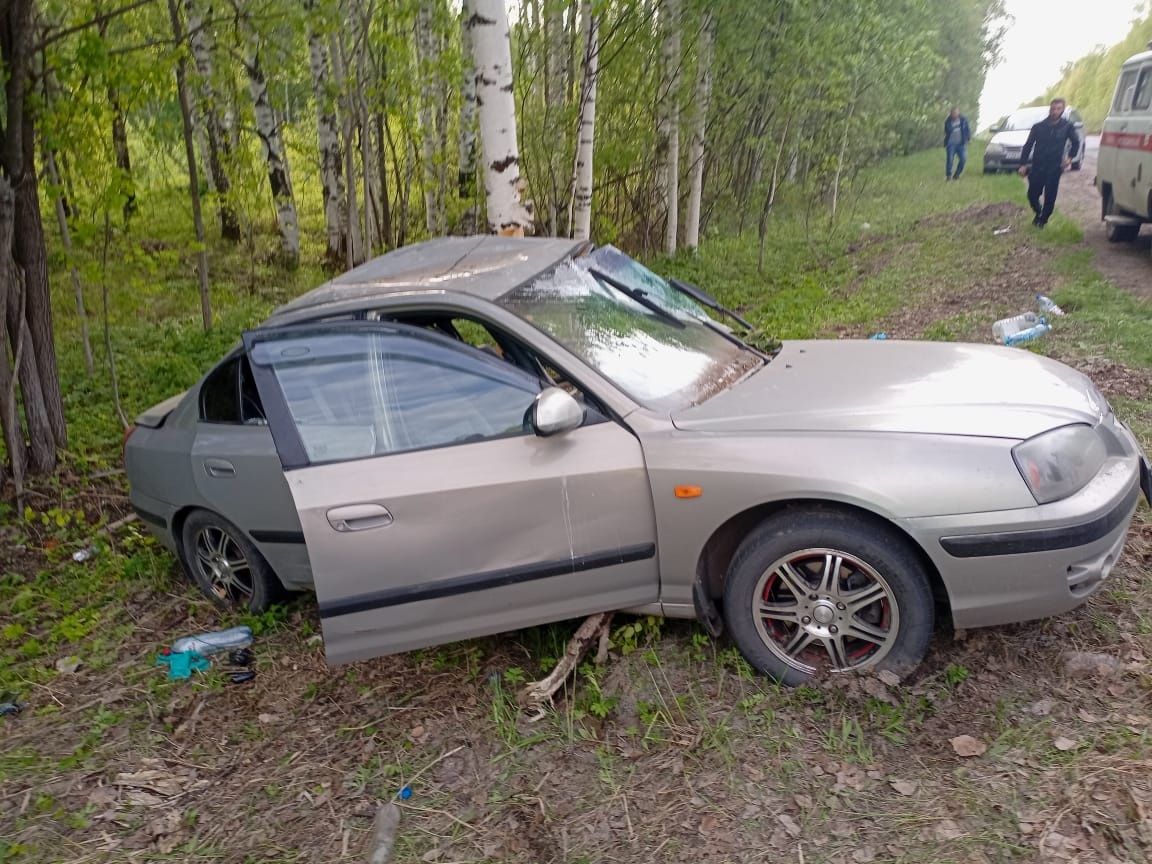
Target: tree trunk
x=700, y=120
x=123, y=158
x=219, y=147
x=770, y=199
x=466, y=179
x=555, y=92
x=428, y=56
x=10, y=288
x=382, y=178
x=492, y=51
x=193, y=170
x=582, y=215
x=66, y=241
x=669, y=132
x=347, y=111
x=841, y=155
x=275, y=155
x=331, y=181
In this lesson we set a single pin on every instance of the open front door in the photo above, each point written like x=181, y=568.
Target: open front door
x=431, y=511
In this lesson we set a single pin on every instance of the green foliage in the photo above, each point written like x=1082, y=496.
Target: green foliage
x=1090, y=82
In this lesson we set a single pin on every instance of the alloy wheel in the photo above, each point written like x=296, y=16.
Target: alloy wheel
x=825, y=609
x=223, y=566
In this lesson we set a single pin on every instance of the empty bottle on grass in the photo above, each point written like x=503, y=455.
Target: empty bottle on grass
x=1005, y=327
x=1047, y=304
x=1033, y=332
x=213, y=643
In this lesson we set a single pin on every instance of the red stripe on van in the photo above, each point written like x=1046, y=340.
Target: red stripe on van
x=1126, y=141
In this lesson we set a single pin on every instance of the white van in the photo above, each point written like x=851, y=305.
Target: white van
x=1125, y=151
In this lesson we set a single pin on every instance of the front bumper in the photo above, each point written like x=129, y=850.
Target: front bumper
x=1017, y=565
x=1007, y=162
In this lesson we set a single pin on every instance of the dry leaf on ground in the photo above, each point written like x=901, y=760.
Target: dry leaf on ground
x=966, y=745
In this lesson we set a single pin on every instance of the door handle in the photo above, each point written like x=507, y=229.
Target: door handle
x=359, y=517
x=219, y=468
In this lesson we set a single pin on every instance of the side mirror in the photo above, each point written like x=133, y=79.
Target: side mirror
x=554, y=412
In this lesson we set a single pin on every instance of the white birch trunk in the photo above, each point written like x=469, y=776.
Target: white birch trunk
x=372, y=233
x=700, y=120
x=219, y=148
x=347, y=124
x=586, y=137
x=488, y=20
x=427, y=53
x=466, y=180
x=275, y=156
x=669, y=138
x=555, y=92
x=331, y=182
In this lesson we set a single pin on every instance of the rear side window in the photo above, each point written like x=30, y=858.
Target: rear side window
x=1127, y=80
x=1143, y=97
x=229, y=394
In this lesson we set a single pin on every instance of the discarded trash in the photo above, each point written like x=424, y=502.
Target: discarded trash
x=68, y=665
x=83, y=554
x=241, y=677
x=1000, y=231
x=10, y=708
x=405, y=793
x=181, y=664
x=1005, y=327
x=383, y=834
x=1047, y=304
x=213, y=643
x=878, y=336
x=240, y=657
x=1022, y=336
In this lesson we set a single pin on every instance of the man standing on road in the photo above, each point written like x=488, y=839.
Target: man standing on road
x=1047, y=144
x=957, y=134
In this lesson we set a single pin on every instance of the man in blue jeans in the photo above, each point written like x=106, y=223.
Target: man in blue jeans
x=957, y=134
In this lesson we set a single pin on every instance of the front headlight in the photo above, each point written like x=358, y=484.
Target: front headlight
x=1061, y=462
x=995, y=150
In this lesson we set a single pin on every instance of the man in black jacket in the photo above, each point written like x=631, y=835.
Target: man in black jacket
x=1046, y=145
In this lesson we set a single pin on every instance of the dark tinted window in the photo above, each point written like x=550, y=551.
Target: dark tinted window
x=370, y=393
x=220, y=395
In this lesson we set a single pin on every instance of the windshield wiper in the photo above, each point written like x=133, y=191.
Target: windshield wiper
x=706, y=299
x=639, y=296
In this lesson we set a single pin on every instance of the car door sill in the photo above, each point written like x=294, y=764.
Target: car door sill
x=485, y=581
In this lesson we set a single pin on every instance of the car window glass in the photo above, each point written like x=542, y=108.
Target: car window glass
x=355, y=395
x=1126, y=81
x=220, y=394
x=1143, y=97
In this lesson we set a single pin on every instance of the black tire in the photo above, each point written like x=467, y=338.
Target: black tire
x=1076, y=166
x=226, y=566
x=879, y=562
x=1117, y=233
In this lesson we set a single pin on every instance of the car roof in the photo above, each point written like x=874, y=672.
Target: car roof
x=485, y=266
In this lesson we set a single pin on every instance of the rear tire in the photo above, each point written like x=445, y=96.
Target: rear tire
x=226, y=566
x=1117, y=233
x=822, y=590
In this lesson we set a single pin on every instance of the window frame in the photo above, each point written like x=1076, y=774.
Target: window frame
x=1120, y=104
x=289, y=442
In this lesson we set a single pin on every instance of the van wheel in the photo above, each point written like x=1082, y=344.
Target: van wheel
x=1114, y=233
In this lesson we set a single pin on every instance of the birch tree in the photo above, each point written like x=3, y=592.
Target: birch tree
x=668, y=145
x=492, y=53
x=582, y=213
x=328, y=133
x=466, y=177
x=208, y=111
x=346, y=107
x=699, y=126
x=428, y=54
x=275, y=155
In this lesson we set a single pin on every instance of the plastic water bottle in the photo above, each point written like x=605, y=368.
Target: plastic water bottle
x=1033, y=332
x=213, y=643
x=1005, y=327
x=1047, y=304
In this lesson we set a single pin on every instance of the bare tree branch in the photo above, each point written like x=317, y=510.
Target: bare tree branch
x=102, y=18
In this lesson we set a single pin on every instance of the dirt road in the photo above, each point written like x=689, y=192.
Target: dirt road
x=1128, y=265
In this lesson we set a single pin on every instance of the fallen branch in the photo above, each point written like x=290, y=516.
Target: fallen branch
x=539, y=693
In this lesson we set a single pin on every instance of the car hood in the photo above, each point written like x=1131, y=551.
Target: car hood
x=1012, y=138
x=895, y=386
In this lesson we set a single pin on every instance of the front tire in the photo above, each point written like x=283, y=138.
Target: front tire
x=816, y=590
x=226, y=566
x=1117, y=233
